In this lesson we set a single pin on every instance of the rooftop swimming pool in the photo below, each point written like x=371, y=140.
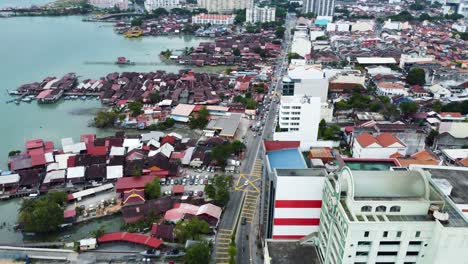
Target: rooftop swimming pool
x=370, y=164
x=286, y=159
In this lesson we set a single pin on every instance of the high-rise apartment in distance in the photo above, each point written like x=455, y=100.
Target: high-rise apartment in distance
x=320, y=7
x=223, y=6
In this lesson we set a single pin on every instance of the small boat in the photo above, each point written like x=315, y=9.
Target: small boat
x=17, y=101
x=152, y=253
x=83, y=97
x=73, y=97
x=67, y=98
x=124, y=61
x=26, y=99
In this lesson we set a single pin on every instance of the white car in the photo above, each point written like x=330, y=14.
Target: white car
x=198, y=176
x=246, y=183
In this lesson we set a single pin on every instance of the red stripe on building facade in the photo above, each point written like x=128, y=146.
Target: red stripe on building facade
x=298, y=203
x=296, y=221
x=287, y=237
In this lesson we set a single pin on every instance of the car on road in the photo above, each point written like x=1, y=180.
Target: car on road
x=246, y=183
x=200, y=193
x=176, y=182
x=192, y=182
x=172, y=182
x=190, y=193
x=243, y=221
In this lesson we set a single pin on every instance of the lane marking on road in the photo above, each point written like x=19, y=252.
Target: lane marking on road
x=224, y=238
x=254, y=180
x=222, y=243
x=223, y=229
x=224, y=234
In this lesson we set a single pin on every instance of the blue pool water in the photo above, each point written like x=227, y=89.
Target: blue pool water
x=286, y=159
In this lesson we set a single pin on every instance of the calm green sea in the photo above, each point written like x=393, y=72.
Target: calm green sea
x=32, y=48
x=23, y=3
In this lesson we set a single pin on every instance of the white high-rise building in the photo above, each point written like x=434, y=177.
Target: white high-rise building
x=155, y=4
x=121, y=4
x=320, y=7
x=224, y=6
x=389, y=217
x=305, y=89
x=260, y=14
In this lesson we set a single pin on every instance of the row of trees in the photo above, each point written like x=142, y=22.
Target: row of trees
x=246, y=100
x=219, y=190
x=201, y=120
x=221, y=153
x=44, y=214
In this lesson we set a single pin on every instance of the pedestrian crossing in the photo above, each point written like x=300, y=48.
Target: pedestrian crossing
x=223, y=239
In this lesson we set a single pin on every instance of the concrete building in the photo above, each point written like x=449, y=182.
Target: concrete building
x=260, y=14
x=301, y=43
x=120, y=4
x=213, y=19
x=389, y=217
x=408, y=60
x=223, y=6
x=307, y=80
x=290, y=214
x=151, y=5
x=319, y=7
x=298, y=119
x=380, y=147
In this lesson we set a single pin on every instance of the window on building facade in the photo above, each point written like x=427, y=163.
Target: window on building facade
x=418, y=233
x=398, y=234
x=366, y=234
x=395, y=209
x=295, y=118
x=381, y=208
x=296, y=107
x=385, y=234
x=296, y=113
x=366, y=208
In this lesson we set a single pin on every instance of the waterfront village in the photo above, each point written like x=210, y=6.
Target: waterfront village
x=336, y=132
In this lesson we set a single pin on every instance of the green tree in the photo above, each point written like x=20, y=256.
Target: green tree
x=409, y=108
x=416, y=76
x=375, y=107
x=136, y=22
x=237, y=146
x=136, y=108
x=153, y=189
x=201, y=120
x=220, y=153
x=232, y=251
x=98, y=232
x=250, y=104
x=424, y=16
x=461, y=107
x=293, y=55
x=279, y=33
x=210, y=191
x=191, y=229
x=14, y=153
x=431, y=137
x=437, y=106
x=236, y=52
x=42, y=215
x=105, y=119
x=240, y=16
x=155, y=97
x=198, y=253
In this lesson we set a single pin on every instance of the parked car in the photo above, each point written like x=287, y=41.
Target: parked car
x=243, y=221
x=190, y=193
x=176, y=182
x=192, y=182
x=200, y=193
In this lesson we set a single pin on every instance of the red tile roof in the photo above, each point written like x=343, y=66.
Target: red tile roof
x=451, y=114
x=130, y=237
x=49, y=145
x=88, y=138
x=96, y=150
x=278, y=145
x=167, y=139
x=35, y=143
x=134, y=182
x=387, y=139
x=38, y=159
x=366, y=139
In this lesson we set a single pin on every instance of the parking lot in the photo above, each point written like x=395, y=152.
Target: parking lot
x=194, y=184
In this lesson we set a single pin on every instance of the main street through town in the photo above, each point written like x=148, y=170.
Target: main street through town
x=247, y=185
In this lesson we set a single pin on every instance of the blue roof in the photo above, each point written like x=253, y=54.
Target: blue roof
x=286, y=159
x=321, y=22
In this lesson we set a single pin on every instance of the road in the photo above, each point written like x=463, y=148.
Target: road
x=246, y=194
